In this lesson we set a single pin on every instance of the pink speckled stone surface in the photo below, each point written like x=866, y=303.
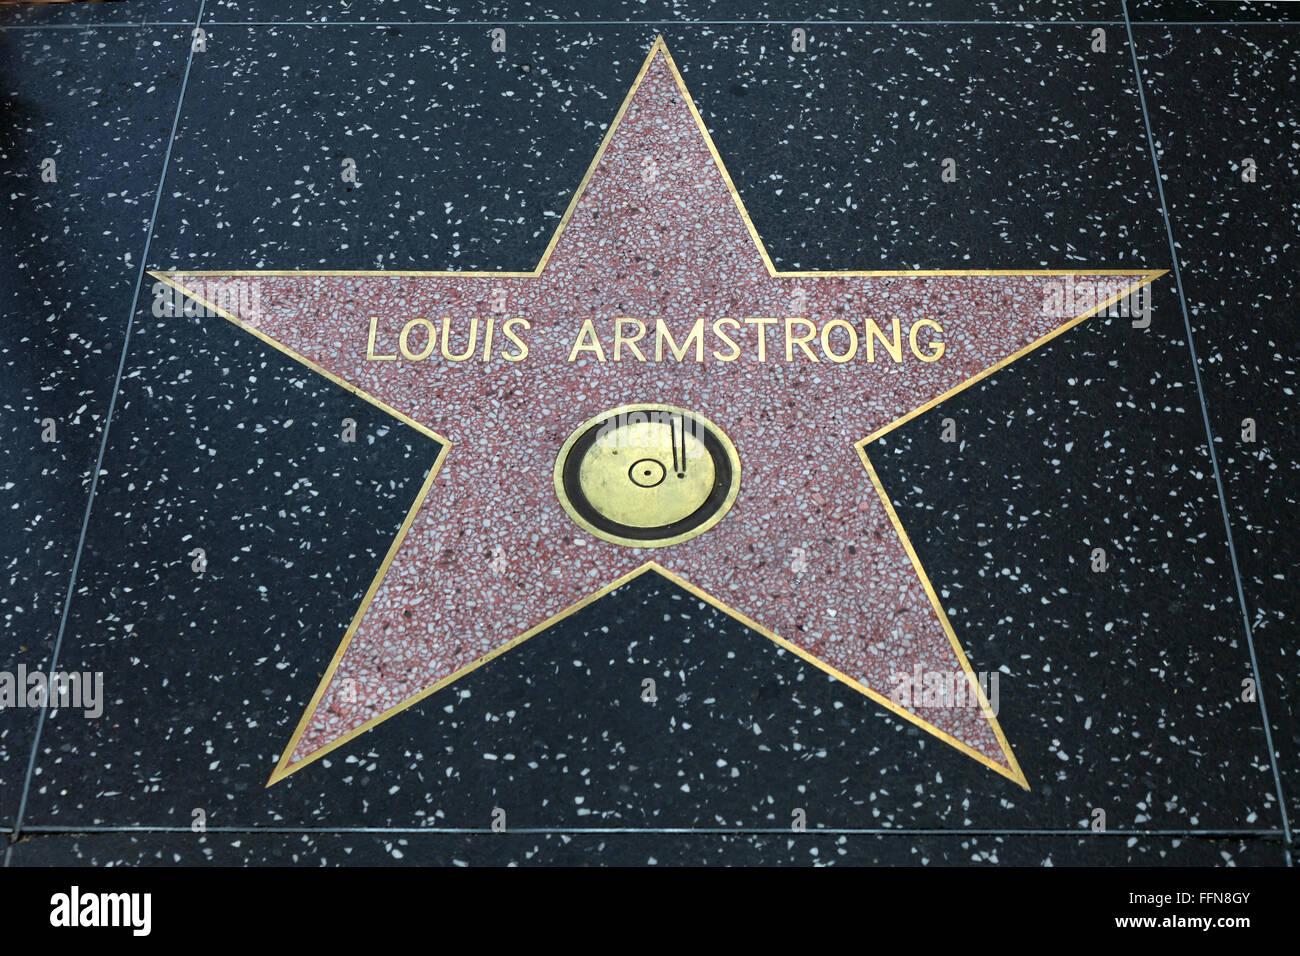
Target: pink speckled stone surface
x=491, y=554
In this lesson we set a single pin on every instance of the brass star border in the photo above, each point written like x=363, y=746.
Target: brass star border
x=1013, y=772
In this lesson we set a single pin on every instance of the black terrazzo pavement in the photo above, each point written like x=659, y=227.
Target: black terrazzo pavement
x=579, y=849
x=101, y=105
x=1238, y=253
x=1212, y=11
x=64, y=15
x=659, y=11
x=1119, y=691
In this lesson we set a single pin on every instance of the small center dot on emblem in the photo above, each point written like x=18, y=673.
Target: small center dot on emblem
x=647, y=473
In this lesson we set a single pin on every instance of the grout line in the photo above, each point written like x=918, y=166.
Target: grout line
x=522, y=24
x=95, y=26
x=742, y=23
x=1209, y=437
x=687, y=831
x=635, y=23
x=103, y=445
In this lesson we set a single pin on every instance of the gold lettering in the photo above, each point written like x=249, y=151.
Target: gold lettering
x=791, y=340
x=826, y=340
x=487, y=341
x=620, y=340
x=696, y=333
x=587, y=331
x=762, y=335
x=874, y=332
x=731, y=343
x=370, y=345
x=446, y=340
x=508, y=330
x=937, y=347
x=424, y=353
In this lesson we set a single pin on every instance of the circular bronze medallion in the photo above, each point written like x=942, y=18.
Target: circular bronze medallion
x=647, y=475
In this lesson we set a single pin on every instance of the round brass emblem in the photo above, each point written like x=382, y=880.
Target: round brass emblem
x=647, y=475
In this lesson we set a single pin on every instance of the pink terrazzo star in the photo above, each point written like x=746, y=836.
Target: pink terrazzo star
x=810, y=554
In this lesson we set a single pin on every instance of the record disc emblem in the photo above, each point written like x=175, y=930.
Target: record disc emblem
x=647, y=475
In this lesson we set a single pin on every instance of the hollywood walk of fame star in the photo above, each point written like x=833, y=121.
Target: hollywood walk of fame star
x=809, y=553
